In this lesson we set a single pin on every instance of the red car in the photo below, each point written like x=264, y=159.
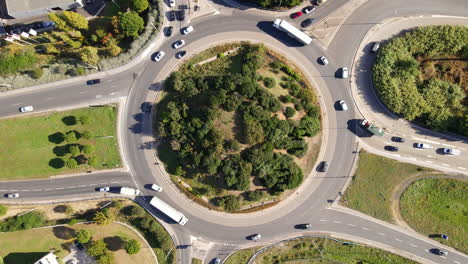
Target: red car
x=296, y=15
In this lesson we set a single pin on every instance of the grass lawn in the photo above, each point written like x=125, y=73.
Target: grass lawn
x=372, y=186
x=319, y=250
x=196, y=261
x=112, y=8
x=30, y=245
x=30, y=147
x=241, y=256
x=438, y=206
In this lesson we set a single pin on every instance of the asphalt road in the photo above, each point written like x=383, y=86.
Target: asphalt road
x=223, y=231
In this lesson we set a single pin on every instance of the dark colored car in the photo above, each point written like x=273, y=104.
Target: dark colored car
x=181, y=54
x=181, y=15
x=296, y=15
x=95, y=81
x=307, y=22
x=172, y=15
x=302, y=226
x=78, y=245
x=324, y=167
x=168, y=31
x=391, y=148
x=398, y=139
x=439, y=252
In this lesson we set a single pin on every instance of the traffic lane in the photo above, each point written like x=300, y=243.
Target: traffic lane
x=333, y=220
x=64, y=97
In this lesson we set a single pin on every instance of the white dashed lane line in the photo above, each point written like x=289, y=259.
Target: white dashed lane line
x=461, y=168
x=337, y=222
x=456, y=262
x=365, y=228
x=351, y=225
x=382, y=234
x=413, y=245
x=323, y=220
x=399, y=240
x=428, y=161
x=445, y=164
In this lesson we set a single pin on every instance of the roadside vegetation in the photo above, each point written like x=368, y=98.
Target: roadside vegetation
x=438, y=206
x=106, y=241
x=241, y=256
x=78, y=46
x=321, y=250
x=373, y=185
x=238, y=129
x=55, y=143
x=274, y=4
x=421, y=76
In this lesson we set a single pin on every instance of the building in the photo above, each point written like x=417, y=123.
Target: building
x=32, y=8
x=48, y=259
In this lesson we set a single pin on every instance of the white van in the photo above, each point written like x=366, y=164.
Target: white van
x=344, y=72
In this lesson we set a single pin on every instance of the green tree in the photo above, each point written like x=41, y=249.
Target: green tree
x=89, y=55
x=88, y=149
x=49, y=48
x=255, y=195
x=139, y=5
x=106, y=258
x=85, y=120
x=74, y=150
x=75, y=20
x=93, y=161
x=269, y=82
x=131, y=24
x=72, y=163
x=70, y=136
x=83, y=236
x=3, y=210
x=132, y=246
x=68, y=209
x=60, y=23
x=289, y=112
x=229, y=203
x=101, y=218
x=87, y=134
x=97, y=248
x=137, y=211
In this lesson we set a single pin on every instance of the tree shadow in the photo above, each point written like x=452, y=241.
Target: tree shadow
x=64, y=232
x=69, y=120
x=148, y=145
x=15, y=258
x=61, y=151
x=137, y=128
x=60, y=208
x=114, y=243
x=57, y=138
x=57, y=163
x=81, y=159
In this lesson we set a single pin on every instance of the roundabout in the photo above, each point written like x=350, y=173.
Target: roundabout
x=211, y=234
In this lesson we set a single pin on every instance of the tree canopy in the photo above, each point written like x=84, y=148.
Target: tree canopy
x=131, y=24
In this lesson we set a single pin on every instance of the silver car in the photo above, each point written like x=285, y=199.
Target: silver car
x=344, y=72
x=12, y=195
x=179, y=44
x=343, y=105
x=25, y=109
x=159, y=55
x=104, y=189
x=323, y=60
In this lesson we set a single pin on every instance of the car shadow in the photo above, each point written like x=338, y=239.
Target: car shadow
x=355, y=127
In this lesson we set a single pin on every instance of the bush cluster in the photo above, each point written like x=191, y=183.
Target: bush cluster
x=22, y=222
x=399, y=83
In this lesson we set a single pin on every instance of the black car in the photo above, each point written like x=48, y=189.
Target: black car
x=168, y=31
x=324, y=167
x=398, y=139
x=439, y=252
x=307, y=22
x=172, y=15
x=302, y=226
x=181, y=15
x=391, y=148
x=181, y=54
x=95, y=81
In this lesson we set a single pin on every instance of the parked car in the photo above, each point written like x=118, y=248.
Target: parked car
x=307, y=22
x=323, y=60
x=156, y=187
x=159, y=55
x=104, y=189
x=255, y=237
x=95, y=81
x=25, y=109
x=398, y=139
x=324, y=167
x=172, y=3
x=303, y=226
x=450, y=151
x=181, y=54
x=319, y=2
x=181, y=15
x=439, y=252
x=168, y=31
x=391, y=148
x=187, y=30
x=172, y=15
x=443, y=236
x=309, y=9
x=217, y=261
x=178, y=44
x=422, y=145
x=12, y=195
x=375, y=47
x=343, y=105
x=344, y=72
x=296, y=15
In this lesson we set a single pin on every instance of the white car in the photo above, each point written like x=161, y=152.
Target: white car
x=159, y=55
x=343, y=105
x=156, y=187
x=12, y=195
x=179, y=44
x=256, y=237
x=344, y=72
x=104, y=189
x=172, y=3
x=449, y=151
x=25, y=109
x=422, y=146
x=309, y=9
x=323, y=60
x=187, y=30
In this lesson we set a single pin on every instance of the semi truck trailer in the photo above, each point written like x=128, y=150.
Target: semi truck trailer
x=292, y=31
x=168, y=210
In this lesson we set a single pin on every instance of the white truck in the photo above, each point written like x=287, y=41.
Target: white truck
x=292, y=31
x=129, y=191
x=168, y=210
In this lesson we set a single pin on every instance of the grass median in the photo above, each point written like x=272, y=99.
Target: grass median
x=37, y=146
x=438, y=206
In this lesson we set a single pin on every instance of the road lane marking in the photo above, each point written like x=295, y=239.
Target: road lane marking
x=83, y=92
x=445, y=164
x=382, y=234
x=99, y=96
x=48, y=189
x=429, y=156
x=396, y=155
x=456, y=262
x=448, y=145
x=444, y=257
x=365, y=228
x=323, y=220
x=461, y=168
x=351, y=225
x=60, y=188
x=426, y=140
x=50, y=98
x=338, y=222
x=413, y=245
x=399, y=240
x=428, y=161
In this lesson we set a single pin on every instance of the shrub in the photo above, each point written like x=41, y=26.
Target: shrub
x=229, y=203
x=88, y=149
x=3, y=210
x=289, y=112
x=139, y=5
x=37, y=73
x=101, y=218
x=255, y=195
x=269, y=82
x=118, y=204
x=83, y=236
x=68, y=209
x=11, y=63
x=131, y=24
x=70, y=136
x=72, y=163
x=132, y=246
x=87, y=134
x=73, y=221
x=74, y=150
x=136, y=211
x=93, y=161
x=220, y=55
x=23, y=222
x=80, y=71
